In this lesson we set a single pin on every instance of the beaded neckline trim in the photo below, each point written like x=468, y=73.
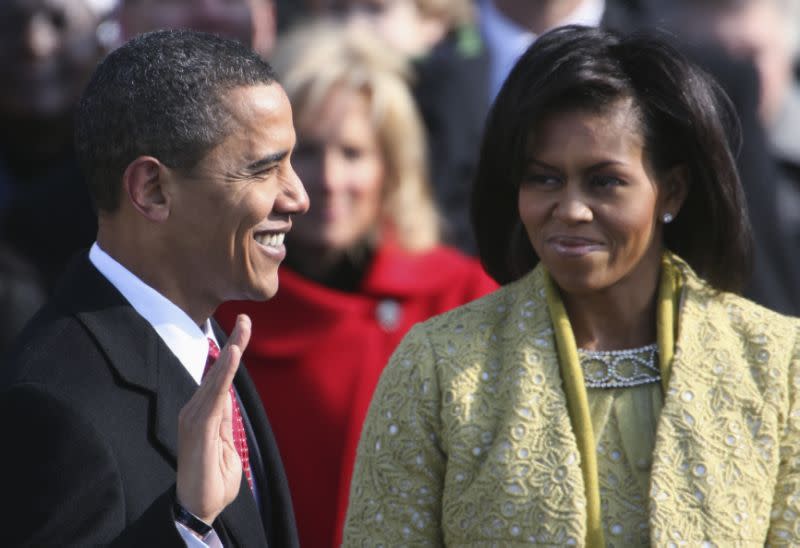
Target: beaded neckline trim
x=620, y=368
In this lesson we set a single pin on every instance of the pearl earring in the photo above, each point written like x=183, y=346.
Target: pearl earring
x=667, y=218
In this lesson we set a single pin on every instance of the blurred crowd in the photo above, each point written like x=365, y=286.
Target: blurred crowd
x=389, y=100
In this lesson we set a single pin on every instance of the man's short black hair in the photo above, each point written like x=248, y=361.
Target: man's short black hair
x=159, y=94
x=686, y=119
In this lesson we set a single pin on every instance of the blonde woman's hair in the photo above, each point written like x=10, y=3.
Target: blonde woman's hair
x=319, y=57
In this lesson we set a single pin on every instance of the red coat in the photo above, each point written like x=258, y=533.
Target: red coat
x=316, y=355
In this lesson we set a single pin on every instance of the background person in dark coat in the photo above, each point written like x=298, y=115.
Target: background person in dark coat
x=747, y=45
x=185, y=139
x=48, y=49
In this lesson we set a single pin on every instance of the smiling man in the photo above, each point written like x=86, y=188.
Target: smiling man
x=122, y=431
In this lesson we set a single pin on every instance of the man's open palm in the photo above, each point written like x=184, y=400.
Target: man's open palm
x=209, y=468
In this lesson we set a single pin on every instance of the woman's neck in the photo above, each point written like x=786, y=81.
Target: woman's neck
x=336, y=269
x=619, y=317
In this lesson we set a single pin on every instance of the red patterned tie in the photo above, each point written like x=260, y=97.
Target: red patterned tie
x=239, y=436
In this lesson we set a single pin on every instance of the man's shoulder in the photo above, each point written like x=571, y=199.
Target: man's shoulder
x=63, y=342
x=47, y=349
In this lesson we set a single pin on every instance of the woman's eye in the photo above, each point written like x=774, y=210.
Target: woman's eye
x=351, y=153
x=606, y=181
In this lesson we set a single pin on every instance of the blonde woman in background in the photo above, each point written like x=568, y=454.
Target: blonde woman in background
x=451, y=65
x=364, y=265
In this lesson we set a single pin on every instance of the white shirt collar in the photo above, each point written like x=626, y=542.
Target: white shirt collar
x=182, y=336
x=507, y=41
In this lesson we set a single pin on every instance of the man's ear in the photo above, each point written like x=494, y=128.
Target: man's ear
x=143, y=186
x=676, y=187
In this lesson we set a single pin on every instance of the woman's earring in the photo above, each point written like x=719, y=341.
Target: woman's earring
x=667, y=218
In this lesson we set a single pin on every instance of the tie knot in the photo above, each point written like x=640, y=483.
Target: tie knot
x=213, y=354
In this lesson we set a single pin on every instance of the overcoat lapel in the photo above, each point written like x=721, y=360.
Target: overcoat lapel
x=128, y=342
x=175, y=388
x=134, y=350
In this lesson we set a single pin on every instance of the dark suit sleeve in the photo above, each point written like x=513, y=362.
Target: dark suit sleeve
x=60, y=482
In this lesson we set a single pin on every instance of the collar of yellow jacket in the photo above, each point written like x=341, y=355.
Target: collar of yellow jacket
x=577, y=402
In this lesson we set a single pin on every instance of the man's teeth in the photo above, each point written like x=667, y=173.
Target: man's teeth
x=270, y=240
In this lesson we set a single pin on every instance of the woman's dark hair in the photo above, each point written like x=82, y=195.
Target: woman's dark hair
x=687, y=121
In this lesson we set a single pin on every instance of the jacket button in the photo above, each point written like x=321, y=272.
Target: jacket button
x=388, y=314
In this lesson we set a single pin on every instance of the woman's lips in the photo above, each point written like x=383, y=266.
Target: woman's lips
x=572, y=246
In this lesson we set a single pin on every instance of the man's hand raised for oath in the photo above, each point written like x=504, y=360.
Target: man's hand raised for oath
x=209, y=469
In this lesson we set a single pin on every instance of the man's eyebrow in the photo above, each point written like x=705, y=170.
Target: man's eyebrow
x=266, y=161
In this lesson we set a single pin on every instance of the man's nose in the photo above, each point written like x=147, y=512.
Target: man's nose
x=295, y=197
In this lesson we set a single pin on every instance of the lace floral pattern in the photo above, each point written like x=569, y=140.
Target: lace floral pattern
x=468, y=441
x=624, y=421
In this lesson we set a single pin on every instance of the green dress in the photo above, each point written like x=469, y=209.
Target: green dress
x=624, y=421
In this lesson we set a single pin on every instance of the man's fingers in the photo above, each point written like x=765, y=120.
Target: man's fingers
x=231, y=354
x=221, y=376
x=240, y=336
x=226, y=424
x=210, y=398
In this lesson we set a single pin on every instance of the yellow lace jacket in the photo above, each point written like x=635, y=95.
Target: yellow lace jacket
x=468, y=441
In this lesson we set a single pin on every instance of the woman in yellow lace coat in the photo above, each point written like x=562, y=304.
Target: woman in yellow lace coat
x=616, y=391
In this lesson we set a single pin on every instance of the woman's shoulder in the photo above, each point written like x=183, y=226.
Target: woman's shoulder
x=749, y=334
x=731, y=308
x=465, y=352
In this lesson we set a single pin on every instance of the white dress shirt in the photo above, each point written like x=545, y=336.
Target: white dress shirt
x=506, y=41
x=182, y=336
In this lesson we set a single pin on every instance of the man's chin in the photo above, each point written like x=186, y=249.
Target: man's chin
x=266, y=291
x=257, y=292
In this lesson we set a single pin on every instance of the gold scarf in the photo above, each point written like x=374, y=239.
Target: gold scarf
x=572, y=375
